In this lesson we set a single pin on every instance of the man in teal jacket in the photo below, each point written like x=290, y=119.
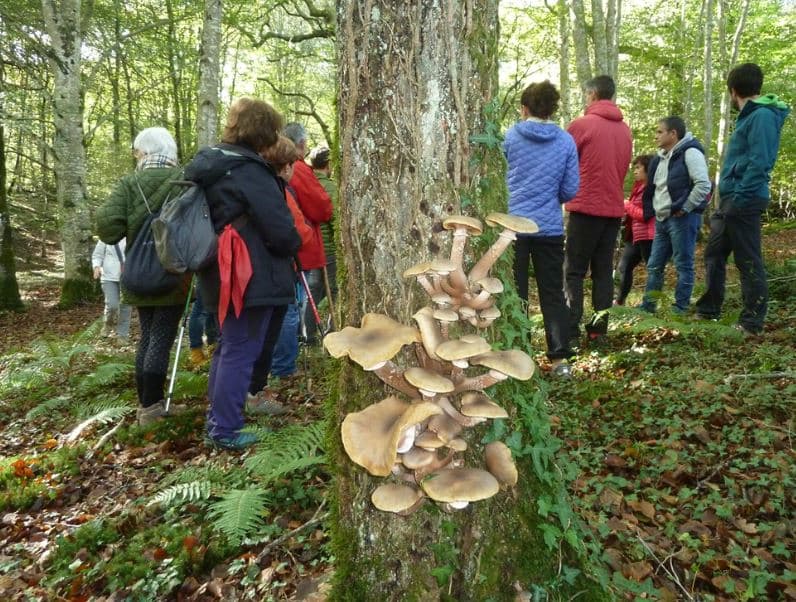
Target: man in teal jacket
x=743, y=196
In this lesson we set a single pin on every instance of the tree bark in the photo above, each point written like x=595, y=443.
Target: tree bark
x=582, y=60
x=599, y=34
x=707, y=78
x=9, y=289
x=415, y=80
x=209, y=74
x=64, y=23
x=565, y=113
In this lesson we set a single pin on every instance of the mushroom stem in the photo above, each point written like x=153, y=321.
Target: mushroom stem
x=481, y=269
x=427, y=286
x=392, y=375
x=426, y=362
x=480, y=382
x=481, y=301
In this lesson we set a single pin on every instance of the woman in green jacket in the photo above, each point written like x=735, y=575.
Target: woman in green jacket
x=122, y=215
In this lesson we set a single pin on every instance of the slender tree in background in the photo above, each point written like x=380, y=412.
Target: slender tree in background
x=209, y=74
x=565, y=111
x=415, y=79
x=65, y=23
x=9, y=290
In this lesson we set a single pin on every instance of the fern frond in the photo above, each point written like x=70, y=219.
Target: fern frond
x=92, y=407
x=239, y=512
x=183, y=493
x=290, y=449
x=105, y=375
x=190, y=384
x=50, y=406
x=103, y=417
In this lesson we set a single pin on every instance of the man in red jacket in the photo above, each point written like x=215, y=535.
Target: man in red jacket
x=604, y=150
x=316, y=205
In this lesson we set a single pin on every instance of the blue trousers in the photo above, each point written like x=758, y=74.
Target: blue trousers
x=675, y=238
x=201, y=321
x=238, y=347
x=287, y=345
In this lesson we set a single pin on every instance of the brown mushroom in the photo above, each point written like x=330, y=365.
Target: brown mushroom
x=400, y=499
x=478, y=405
x=512, y=225
x=500, y=463
x=430, y=333
x=462, y=226
x=429, y=441
x=460, y=486
x=419, y=271
x=370, y=437
x=458, y=351
x=427, y=382
x=512, y=362
x=445, y=427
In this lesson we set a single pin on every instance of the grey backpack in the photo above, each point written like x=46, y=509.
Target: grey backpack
x=183, y=232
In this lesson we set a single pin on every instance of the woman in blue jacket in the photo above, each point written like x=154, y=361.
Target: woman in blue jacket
x=542, y=175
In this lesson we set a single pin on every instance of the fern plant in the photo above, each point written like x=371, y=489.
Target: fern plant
x=190, y=384
x=104, y=376
x=116, y=406
x=182, y=493
x=293, y=448
x=49, y=407
x=239, y=513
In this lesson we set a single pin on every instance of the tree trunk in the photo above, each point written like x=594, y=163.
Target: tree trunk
x=209, y=73
x=9, y=289
x=415, y=79
x=707, y=78
x=565, y=113
x=613, y=19
x=64, y=26
x=601, y=65
x=175, y=78
x=582, y=60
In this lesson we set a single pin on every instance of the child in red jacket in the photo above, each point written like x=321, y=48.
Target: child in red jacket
x=637, y=249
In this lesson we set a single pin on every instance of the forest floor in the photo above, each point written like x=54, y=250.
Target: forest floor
x=679, y=434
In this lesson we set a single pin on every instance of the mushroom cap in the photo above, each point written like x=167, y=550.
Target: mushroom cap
x=513, y=362
x=394, y=497
x=446, y=315
x=478, y=405
x=500, y=463
x=370, y=437
x=377, y=340
x=418, y=457
x=445, y=427
x=465, y=347
x=471, y=224
x=429, y=440
x=491, y=285
x=515, y=223
x=460, y=485
x=418, y=269
x=428, y=380
x=442, y=299
x=457, y=444
x=490, y=313
x=442, y=266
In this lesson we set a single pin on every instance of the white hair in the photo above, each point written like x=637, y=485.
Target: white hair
x=156, y=141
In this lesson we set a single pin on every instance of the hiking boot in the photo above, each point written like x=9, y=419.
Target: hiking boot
x=264, y=403
x=151, y=414
x=240, y=442
x=747, y=332
x=197, y=358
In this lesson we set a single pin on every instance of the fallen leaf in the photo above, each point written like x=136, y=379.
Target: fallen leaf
x=638, y=571
x=746, y=527
x=645, y=508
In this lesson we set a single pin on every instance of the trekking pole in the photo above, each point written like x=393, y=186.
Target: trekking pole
x=329, y=298
x=179, y=346
x=306, y=286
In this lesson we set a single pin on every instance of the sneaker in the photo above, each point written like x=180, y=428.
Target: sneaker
x=264, y=403
x=240, y=442
x=562, y=369
x=747, y=332
x=701, y=316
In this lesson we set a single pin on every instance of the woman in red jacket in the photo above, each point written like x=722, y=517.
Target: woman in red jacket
x=637, y=249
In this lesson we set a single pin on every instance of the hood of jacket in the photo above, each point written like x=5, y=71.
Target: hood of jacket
x=605, y=109
x=768, y=101
x=212, y=163
x=538, y=131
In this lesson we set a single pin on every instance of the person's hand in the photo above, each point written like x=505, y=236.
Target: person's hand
x=97, y=272
x=679, y=213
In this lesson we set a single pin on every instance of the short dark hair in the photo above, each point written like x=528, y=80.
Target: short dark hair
x=746, y=79
x=673, y=122
x=319, y=157
x=643, y=160
x=253, y=123
x=541, y=99
x=603, y=86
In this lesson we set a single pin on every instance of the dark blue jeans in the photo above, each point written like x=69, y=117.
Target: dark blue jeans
x=632, y=255
x=675, y=238
x=547, y=254
x=201, y=321
x=590, y=245
x=736, y=230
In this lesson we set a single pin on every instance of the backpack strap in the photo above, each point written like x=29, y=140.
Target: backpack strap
x=143, y=196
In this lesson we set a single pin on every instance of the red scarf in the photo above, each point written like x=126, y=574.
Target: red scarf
x=235, y=268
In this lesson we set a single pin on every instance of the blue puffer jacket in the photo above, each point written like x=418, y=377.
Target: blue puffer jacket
x=542, y=173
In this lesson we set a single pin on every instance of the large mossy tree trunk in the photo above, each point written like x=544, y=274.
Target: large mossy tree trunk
x=416, y=82
x=65, y=23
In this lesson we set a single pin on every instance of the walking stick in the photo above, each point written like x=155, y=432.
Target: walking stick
x=314, y=307
x=329, y=298
x=179, y=346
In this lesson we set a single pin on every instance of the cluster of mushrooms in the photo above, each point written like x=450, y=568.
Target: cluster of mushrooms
x=419, y=441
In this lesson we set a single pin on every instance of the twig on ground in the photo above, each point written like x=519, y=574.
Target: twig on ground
x=733, y=377
x=104, y=439
x=669, y=570
x=316, y=518
x=701, y=482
